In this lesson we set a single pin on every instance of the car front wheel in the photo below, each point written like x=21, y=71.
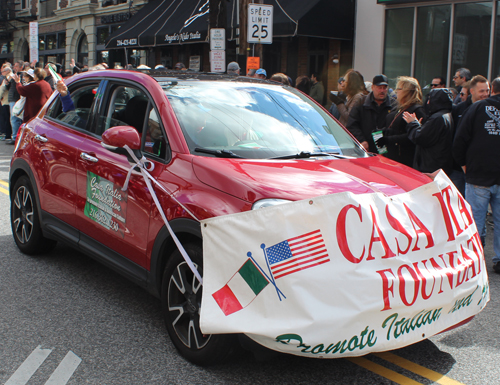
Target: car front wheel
x=181, y=302
x=25, y=222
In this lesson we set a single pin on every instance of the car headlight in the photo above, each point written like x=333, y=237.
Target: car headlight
x=268, y=203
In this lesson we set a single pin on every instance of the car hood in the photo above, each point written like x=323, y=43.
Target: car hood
x=252, y=180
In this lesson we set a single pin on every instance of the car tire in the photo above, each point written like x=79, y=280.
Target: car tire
x=181, y=301
x=25, y=221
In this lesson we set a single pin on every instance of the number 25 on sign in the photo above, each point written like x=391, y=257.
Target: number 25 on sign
x=260, y=24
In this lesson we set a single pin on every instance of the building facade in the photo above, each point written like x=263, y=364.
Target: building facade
x=309, y=37
x=426, y=39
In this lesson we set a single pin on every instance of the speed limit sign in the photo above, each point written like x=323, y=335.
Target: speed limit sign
x=260, y=24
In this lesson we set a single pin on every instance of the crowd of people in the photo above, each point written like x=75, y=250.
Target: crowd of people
x=456, y=130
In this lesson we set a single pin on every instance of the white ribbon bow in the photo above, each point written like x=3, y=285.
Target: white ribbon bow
x=148, y=178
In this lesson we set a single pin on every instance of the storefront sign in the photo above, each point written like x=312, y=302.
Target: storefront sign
x=116, y=18
x=260, y=24
x=181, y=37
x=125, y=42
x=344, y=274
x=217, y=39
x=217, y=61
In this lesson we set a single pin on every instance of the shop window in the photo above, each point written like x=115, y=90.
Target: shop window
x=471, y=38
x=83, y=51
x=398, y=43
x=62, y=40
x=47, y=8
x=433, y=36
x=41, y=43
x=102, y=35
x=107, y=3
x=51, y=41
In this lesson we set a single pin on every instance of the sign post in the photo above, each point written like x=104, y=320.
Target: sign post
x=217, y=50
x=260, y=24
x=33, y=41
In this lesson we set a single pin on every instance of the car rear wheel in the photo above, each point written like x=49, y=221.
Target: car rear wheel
x=25, y=222
x=181, y=301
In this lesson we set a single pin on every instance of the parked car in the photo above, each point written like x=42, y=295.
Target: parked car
x=219, y=145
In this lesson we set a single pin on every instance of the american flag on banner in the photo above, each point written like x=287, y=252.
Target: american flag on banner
x=296, y=254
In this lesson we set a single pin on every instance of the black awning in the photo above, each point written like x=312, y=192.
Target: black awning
x=168, y=22
x=164, y=22
x=315, y=18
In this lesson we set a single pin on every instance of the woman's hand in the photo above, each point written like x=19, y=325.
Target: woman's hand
x=411, y=117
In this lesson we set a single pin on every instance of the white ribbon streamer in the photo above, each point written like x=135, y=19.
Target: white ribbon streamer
x=148, y=178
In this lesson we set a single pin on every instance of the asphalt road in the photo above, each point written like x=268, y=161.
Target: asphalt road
x=64, y=318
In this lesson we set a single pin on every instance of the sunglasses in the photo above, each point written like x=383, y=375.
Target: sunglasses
x=435, y=85
x=462, y=94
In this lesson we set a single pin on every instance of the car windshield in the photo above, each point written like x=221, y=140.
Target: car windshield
x=253, y=120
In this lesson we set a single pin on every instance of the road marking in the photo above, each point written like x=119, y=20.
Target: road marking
x=417, y=369
x=6, y=184
x=60, y=376
x=382, y=371
x=23, y=374
x=65, y=370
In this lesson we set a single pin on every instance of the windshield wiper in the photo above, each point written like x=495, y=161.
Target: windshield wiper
x=218, y=153
x=301, y=155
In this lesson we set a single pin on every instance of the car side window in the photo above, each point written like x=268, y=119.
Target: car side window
x=127, y=106
x=155, y=142
x=74, y=110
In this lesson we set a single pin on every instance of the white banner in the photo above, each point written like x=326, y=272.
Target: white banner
x=344, y=274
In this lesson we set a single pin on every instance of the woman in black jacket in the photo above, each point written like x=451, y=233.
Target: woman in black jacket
x=434, y=138
x=409, y=98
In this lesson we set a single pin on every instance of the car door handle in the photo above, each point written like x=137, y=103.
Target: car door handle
x=41, y=138
x=88, y=157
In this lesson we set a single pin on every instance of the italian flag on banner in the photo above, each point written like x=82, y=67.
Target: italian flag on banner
x=241, y=289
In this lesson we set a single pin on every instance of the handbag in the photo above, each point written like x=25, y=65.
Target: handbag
x=18, y=109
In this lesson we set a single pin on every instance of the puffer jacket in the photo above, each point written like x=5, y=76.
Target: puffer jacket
x=434, y=138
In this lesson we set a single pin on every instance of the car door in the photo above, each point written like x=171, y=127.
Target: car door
x=113, y=222
x=57, y=138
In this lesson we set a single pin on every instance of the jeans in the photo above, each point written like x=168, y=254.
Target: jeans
x=15, y=122
x=479, y=197
x=458, y=179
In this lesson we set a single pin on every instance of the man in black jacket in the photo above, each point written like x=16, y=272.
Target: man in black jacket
x=479, y=89
x=369, y=116
x=476, y=149
x=434, y=138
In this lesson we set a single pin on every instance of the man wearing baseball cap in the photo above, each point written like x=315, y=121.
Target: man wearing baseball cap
x=369, y=116
x=233, y=68
x=261, y=73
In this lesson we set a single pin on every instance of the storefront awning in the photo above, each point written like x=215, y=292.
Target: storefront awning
x=164, y=22
x=315, y=18
x=167, y=22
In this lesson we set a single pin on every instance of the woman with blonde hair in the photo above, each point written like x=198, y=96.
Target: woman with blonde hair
x=409, y=98
x=355, y=92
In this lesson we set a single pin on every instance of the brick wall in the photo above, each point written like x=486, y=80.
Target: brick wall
x=52, y=28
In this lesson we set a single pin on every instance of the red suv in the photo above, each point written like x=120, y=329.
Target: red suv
x=218, y=144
